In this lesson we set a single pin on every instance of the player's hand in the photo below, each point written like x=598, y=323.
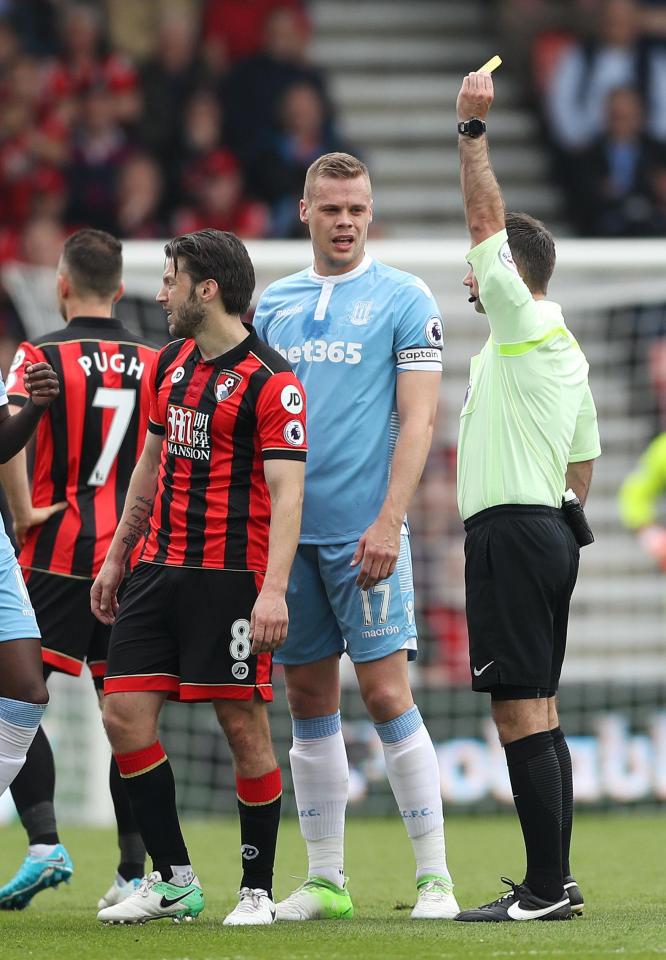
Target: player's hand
x=475, y=96
x=653, y=540
x=104, y=591
x=41, y=383
x=377, y=552
x=35, y=518
x=268, y=622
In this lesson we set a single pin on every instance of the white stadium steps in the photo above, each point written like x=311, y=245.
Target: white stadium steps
x=395, y=17
x=434, y=164
x=427, y=126
x=390, y=92
x=395, y=71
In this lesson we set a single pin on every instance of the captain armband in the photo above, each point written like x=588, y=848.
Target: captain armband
x=420, y=358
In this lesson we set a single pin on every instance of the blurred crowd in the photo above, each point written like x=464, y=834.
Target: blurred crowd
x=148, y=119
x=596, y=71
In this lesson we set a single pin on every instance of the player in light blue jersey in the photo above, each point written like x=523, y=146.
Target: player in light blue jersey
x=23, y=693
x=366, y=341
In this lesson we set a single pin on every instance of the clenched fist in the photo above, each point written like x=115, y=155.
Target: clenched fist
x=476, y=95
x=41, y=383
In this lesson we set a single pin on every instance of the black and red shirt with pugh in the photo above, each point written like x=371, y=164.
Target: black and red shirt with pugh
x=88, y=441
x=221, y=419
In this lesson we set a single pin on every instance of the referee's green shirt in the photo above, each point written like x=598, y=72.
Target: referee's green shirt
x=528, y=410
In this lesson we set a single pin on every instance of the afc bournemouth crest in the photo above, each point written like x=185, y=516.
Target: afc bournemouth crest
x=226, y=384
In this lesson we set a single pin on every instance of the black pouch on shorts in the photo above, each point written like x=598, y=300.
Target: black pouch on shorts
x=575, y=517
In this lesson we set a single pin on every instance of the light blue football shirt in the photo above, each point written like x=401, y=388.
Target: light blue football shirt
x=347, y=337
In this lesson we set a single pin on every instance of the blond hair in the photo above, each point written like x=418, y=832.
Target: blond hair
x=339, y=166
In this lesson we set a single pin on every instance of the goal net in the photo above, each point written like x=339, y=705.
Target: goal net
x=613, y=700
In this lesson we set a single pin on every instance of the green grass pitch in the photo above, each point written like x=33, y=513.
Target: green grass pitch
x=619, y=863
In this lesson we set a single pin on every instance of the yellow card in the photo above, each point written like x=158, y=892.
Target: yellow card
x=492, y=64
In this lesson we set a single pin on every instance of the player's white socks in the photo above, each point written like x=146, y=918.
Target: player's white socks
x=320, y=773
x=41, y=850
x=182, y=874
x=19, y=722
x=413, y=772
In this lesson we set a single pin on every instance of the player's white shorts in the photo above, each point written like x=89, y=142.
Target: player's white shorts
x=329, y=614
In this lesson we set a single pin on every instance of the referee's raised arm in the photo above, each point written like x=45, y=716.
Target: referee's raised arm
x=482, y=199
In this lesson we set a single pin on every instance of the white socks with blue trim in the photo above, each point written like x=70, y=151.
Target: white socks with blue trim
x=413, y=772
x=320, y=774
x=321, y=784
x=19, y=722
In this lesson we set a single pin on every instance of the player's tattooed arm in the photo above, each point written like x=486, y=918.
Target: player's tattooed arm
x=133, y=523
x=136, y=523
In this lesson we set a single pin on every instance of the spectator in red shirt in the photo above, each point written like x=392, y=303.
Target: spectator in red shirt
x=32, y=149
x=85, y=63
x=216, y=188
x=233, y=28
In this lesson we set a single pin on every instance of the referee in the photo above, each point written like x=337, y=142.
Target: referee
x=528, y=432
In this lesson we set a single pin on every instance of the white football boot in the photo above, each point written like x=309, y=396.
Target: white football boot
x=155, y=899
x=254, y=908
x=435, y=900
x=118, y=891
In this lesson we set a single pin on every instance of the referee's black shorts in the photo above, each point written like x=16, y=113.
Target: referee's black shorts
x=521, y=564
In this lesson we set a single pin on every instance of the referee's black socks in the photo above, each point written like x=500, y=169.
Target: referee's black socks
x=536, y=781
x=566, y=772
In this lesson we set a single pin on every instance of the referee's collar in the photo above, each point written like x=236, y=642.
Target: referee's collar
x=112, y=323
x=335, y=278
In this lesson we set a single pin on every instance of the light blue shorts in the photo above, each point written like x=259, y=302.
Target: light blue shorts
x=329, y=614
x=17, y=618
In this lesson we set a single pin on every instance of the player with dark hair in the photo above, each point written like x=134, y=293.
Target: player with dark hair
x=219, y=485
x=85, y=451
x=528, y=432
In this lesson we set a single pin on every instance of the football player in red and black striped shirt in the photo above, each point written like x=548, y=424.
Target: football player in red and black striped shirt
x=86, y=448
x=219, y=485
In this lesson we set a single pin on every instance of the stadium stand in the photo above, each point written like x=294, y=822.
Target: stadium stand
x=394, y=71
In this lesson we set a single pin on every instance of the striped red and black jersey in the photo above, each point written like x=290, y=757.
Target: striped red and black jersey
x=88, y=441
x=221, y=419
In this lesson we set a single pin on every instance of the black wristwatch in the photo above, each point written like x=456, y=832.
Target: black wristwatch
x=472, y=128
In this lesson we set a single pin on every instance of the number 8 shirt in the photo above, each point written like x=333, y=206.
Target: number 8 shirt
x=183, y=622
